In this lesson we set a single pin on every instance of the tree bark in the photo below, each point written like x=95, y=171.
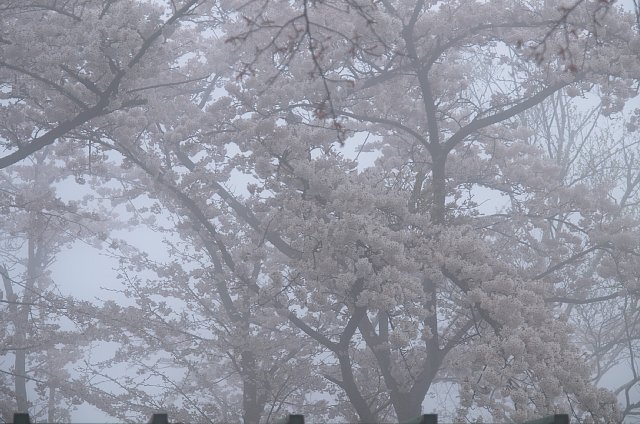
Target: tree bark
x=20, y=381
x=406, y=406
x=51, y=405
x=438, y=176
x=19, y=364
x=250, y=403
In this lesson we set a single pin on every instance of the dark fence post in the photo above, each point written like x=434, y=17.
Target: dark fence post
x=551, y=419
x=561, y=419
x=423, y=419
x=21, y=418
x=429, y=419
x=295, y=419
x=291, y=419
x=159, y=419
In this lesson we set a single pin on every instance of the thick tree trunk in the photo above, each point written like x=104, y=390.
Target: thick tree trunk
x=21, y=381
x=19, y=364
x=51, y=405
x=353, y=392
x=406, y=406
x=439, y=189
x=250, y=403
x=21, y=322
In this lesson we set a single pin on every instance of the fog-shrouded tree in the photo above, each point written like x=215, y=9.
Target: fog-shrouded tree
x=45, y=331
x=603, y=307
x=441, y=89
x=203, y=349
x=393, y=268
x=415, y=206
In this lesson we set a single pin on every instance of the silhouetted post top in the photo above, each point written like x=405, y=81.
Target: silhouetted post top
x=551, y=419
x=21, y=418
x=423, y=419
x=429, y=419
x=296, y=419
x=159, y=419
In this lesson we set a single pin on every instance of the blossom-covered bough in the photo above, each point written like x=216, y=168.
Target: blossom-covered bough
x=64, y=65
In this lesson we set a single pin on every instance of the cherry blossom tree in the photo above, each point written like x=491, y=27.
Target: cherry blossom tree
x=45, y=331
x=228, y=331
x=603, y=305
x=191, y=356
x=393, y=267
x=452, y=132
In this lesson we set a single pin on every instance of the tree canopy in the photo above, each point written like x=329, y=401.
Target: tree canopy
x=364, y=204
